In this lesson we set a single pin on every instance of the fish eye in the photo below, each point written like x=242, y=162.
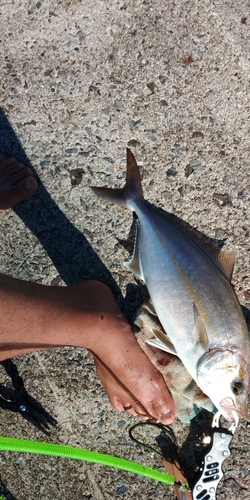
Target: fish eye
x=237, y=387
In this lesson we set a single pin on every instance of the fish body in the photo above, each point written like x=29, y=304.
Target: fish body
x=189, y=283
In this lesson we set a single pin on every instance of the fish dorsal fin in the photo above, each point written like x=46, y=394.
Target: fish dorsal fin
x=223, y=259
x=162, y=341
x=133, y=264
x=226, y=260
x=199, y=332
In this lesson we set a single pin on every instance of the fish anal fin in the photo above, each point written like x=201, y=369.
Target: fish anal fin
x=199, y=332
x=156, y=343
x=133, y=264
x=163, y=340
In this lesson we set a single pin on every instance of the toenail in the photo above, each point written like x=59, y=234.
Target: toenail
x=127, y=407
x=167, y=414
x=28, y=184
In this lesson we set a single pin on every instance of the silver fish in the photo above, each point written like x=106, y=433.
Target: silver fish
x=189, y=283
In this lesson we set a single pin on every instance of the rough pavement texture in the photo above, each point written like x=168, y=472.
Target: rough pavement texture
x=80, y=81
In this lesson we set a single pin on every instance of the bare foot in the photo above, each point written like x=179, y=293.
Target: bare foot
x=17, y=183
x=130, y=380
x=84, y=315
x=137, y=388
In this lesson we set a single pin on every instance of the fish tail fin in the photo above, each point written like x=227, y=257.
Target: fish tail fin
x=132, y=189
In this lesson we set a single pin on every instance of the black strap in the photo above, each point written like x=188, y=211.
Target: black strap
x=166, y=441
x=18, y=400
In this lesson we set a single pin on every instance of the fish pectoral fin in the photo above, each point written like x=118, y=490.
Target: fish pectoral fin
x=199, y=332
x=163, y=341
x=133, y=264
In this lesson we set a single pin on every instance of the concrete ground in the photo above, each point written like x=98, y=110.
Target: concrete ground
x=80, y=81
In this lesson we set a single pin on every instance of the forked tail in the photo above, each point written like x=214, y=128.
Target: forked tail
x=131, y=191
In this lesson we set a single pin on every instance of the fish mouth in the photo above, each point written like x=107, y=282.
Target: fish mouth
x=230, y=411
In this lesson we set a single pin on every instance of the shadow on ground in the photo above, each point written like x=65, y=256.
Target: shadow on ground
x=6, y=492
x=69, y=250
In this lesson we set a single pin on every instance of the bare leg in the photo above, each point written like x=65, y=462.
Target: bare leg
x=17, y=183
x=35, y=317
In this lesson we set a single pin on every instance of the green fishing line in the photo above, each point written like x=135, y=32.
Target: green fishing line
x=56, y=450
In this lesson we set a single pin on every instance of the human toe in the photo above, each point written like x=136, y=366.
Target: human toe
x=7, y=163
x=17, y=173
x=165, y=410
x=119, y=406
x=11, y=195
x=133, y=411
x=17, y=182
x=168, y=417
